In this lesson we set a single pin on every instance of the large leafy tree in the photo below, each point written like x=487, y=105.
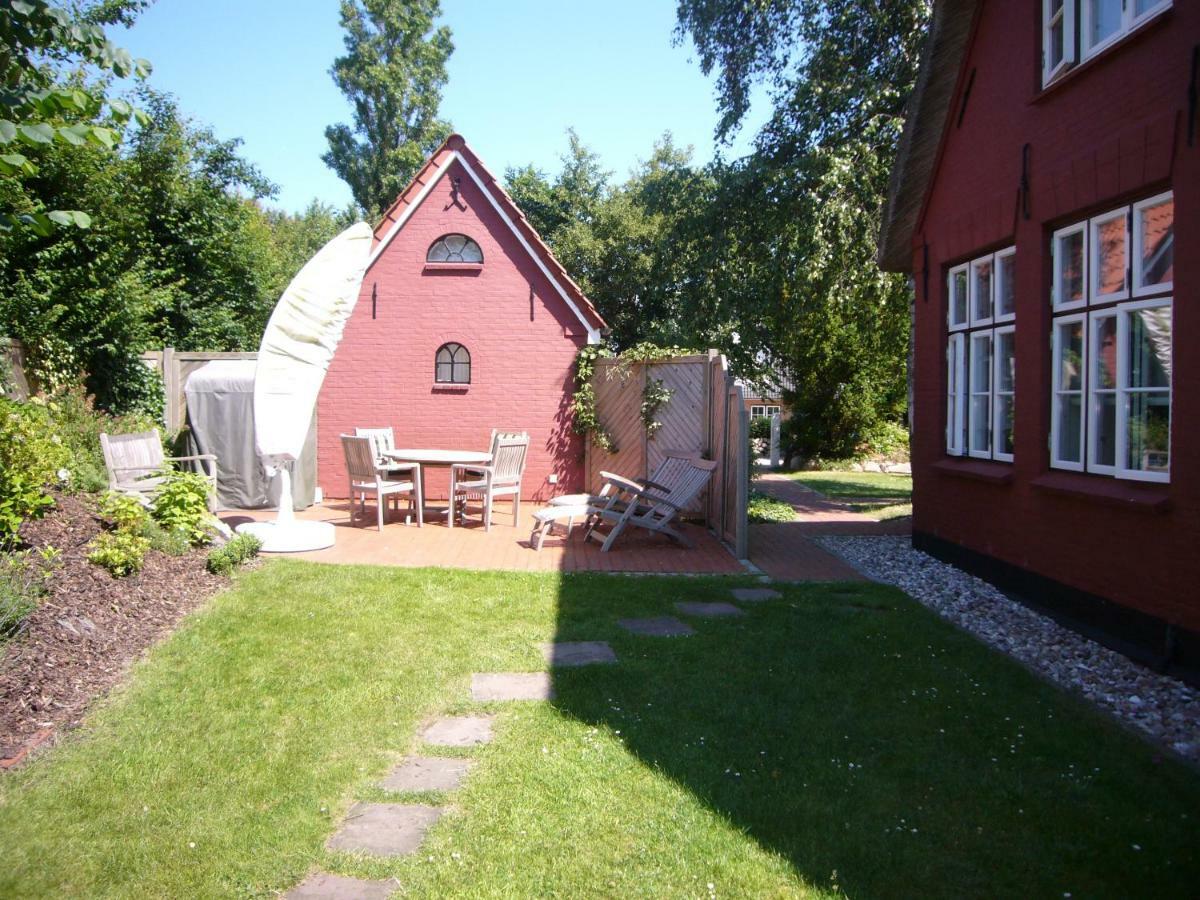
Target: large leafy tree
x=392, y=74
x=45, y=100
x=838, y=74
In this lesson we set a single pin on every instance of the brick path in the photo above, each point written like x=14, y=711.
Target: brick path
x=784, y=551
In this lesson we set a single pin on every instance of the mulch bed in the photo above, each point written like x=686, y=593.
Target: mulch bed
x=88, y=629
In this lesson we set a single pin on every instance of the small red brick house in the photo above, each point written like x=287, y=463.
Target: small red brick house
x=1045, y=196
x=465, y=323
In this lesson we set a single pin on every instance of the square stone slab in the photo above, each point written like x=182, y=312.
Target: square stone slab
x=427, y=773
x=660, y=626
x=708, y=610
x=511, y=686
x=323, y=886
x=384, y=829
x=578, y=653
x=755, y=595
x=458, y=731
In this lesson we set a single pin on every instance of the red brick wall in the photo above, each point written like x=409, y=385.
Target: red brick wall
x=521, y=334
x=1112, y=132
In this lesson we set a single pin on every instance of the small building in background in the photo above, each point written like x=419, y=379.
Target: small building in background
x=1046, y=202
x=466, y=323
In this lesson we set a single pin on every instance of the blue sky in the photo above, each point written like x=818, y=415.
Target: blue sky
x=523, y=71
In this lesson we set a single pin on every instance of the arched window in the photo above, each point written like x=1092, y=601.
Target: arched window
x=454, y=248
x=452, y=365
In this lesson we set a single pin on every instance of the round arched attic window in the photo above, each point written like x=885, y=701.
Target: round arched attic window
x=454, y=248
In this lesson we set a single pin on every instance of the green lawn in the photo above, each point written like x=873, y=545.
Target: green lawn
x=841, y=739
x=872, y=485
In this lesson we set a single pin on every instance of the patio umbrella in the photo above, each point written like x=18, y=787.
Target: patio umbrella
x=297, y=347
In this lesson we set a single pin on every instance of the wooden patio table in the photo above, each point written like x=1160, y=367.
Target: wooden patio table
x=433, y=457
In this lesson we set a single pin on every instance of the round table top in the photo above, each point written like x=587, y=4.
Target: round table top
x=433, y=456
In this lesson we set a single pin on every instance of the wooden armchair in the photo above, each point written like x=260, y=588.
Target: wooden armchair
x=367, y=477
x=499, y=478
x=135, y=462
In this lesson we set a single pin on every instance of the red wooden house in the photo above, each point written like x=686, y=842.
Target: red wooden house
x=465, y=323
x=1045, y=196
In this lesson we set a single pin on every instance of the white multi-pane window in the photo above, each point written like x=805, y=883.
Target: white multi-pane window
x=763, y=412
x=1111, y=342
x=980, y=357
x=1074, y=30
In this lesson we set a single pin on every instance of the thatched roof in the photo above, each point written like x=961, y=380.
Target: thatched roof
x=927, y=112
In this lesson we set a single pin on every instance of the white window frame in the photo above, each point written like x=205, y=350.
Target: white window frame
x=965, y=271
x=1050, y=17
x=1135, y=250
x=1057, y=257
x=972, y=293
x=1093, y=311
x=997, y=393
x=956, y=393
x=1092, y=251
x=998, y=280
x=975, y=338
x=1124, y=310
x=1057, y=391
x=1094, y=392
x=1130, y=21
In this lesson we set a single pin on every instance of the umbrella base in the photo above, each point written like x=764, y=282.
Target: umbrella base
x=290, y=537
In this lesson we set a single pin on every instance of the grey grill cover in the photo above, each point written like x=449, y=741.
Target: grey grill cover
x=220, y=415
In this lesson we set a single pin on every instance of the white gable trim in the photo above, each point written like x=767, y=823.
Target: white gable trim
x=593, y=334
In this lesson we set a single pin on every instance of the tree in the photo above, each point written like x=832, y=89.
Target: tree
x=392, y=74
x=808, y=201
x=42, y=107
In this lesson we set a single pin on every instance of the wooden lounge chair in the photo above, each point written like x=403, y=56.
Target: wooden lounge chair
x=366, y=477
x=499, y=478
x=136, y=463
x=652, y=504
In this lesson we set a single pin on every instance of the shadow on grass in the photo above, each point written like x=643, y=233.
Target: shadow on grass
x=879, y=750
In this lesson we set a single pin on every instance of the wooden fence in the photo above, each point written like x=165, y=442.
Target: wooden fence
x=705, y=415
x=175, y=366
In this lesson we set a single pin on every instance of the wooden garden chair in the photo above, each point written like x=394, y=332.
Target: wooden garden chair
x=383, y=440
x=136, y=463
x=368, y=477
x=499, y=478
x=652, y=504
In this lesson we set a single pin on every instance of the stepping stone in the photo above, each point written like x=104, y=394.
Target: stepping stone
x=511, y=686
x=458, y=731
x=384, y=829
x=427, y=773
x=709, y=610
x=323, y=886
x=660, y=626
x=755, y=595
x=578, y=653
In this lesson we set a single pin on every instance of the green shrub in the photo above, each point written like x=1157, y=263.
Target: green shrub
x=31, y=457
x=172, y=542
x=23, y=578
x=762, y=508
x=181, y=505
x=223, y=560
x=124, y=511
x=121, y=552
x=887, y=440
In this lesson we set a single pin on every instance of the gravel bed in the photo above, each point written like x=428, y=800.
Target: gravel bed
x=1164, y=708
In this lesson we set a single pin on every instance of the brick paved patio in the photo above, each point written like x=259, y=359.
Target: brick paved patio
x=505, y=547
